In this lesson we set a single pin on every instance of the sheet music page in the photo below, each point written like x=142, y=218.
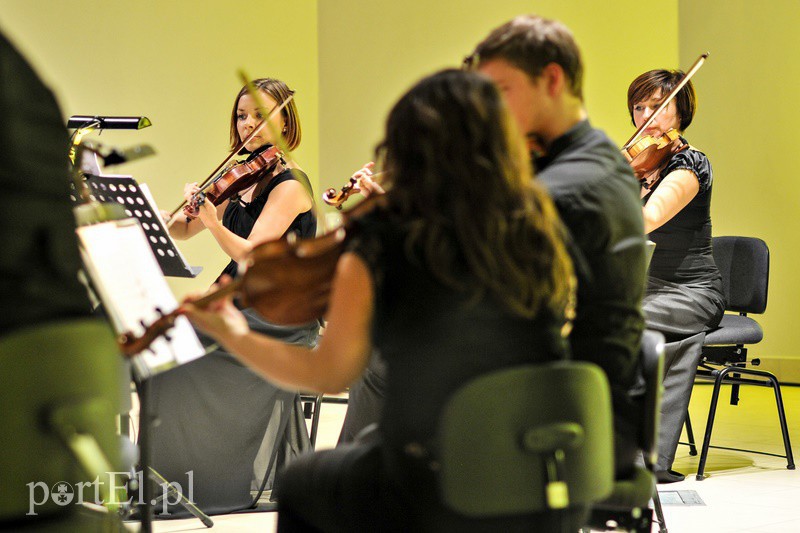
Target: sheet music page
x=132, y=287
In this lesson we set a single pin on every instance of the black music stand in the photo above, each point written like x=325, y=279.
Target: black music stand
x=126, y=191
x=128, y=281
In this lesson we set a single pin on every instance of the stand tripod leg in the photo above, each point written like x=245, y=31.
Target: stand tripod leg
x=282, y=426
x=170, y=490
x=146, y=501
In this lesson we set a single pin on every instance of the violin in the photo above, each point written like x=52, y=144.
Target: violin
x=214, y=175
x=238, y=178
x=287, y=281
x=336, y=198
x=649, y=155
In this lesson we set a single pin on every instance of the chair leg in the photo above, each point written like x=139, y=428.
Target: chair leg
x=782, y=419
x=776, y=387
x=315, y=422
x=690, y=435
x=772, y=382
x=735, y=390
x=712, y=411
x=662, y=524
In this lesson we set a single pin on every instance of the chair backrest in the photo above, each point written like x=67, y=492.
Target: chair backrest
x=498, y=431
x=653, y=371
x=57, y=377
x=744, y=265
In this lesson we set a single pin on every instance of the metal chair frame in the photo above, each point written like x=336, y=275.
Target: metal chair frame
x=726, y=364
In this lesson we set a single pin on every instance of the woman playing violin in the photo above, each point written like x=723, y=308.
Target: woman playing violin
x=277, y=204
x=684, y=289
x=217, y=404
x=458, y=270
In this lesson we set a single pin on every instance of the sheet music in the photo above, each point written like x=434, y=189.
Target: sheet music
x=132, y=288
x=138, y=203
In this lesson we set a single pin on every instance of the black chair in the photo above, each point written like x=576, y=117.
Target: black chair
x=627, y=506
x=311, y=411
x=744, y=265
x=527, y=439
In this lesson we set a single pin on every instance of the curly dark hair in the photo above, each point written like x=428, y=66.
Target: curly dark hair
x=459, y=173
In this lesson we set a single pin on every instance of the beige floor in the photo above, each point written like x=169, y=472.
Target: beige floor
x=742, y=493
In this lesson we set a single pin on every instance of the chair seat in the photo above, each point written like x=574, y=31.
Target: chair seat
x=634, y=492
x=735, y=329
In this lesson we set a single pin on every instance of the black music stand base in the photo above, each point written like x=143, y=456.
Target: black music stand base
x=146, y=501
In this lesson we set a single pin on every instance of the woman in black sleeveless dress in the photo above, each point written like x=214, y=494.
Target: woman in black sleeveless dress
x=218, y=419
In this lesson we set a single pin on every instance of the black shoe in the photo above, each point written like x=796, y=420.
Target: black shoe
x=669, y=476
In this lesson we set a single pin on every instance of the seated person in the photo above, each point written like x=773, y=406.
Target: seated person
x=683, y=298
x=458, y=270
x=40, y=260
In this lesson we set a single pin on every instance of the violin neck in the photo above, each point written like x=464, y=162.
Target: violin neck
x=221, y=292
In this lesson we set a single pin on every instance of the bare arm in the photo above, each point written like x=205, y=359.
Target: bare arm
x=675, y=192
x=339, y=359
x=182, y=229
x=285, y=202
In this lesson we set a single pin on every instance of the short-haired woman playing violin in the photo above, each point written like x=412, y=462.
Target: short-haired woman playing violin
x=219, y=419
x=684, y=296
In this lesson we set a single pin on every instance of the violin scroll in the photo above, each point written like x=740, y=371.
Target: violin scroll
x=130, y=345
x=336, y=198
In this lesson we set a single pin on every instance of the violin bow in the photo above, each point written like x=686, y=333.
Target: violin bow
x=697, y=64
x=239, y=146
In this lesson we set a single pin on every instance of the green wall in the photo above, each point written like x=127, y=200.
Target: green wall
x=746, y=119
x=371, y=52
x=175, y=62
x=349, y=60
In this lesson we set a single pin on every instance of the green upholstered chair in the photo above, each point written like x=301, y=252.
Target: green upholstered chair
x=59, y=397
x=627, y=508
x=527, y=440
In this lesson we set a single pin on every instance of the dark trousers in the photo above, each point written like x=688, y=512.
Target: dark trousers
x=365, y=401
x=683, y=313
x=355, y=488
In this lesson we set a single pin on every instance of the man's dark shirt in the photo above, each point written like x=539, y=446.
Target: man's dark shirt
x=597, y=198
x=39, y=258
